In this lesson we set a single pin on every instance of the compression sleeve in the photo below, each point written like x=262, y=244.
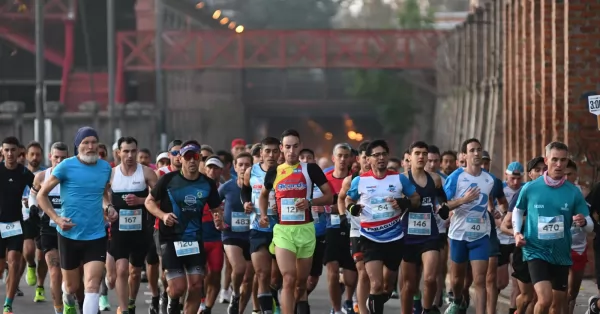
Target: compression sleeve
x=589, y=226
x=246, y=194
x=517, y=220
x=32, y=200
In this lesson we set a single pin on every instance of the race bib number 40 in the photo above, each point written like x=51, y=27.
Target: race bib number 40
x=475, y=227
x=130, y=219
x=289, y=212
x=10, y=229
x=551, y=228
x=381, y=209
x=185, y=248
x=419, y=224
x=240, y=222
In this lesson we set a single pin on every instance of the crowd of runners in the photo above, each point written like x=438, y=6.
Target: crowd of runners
x=269, y=217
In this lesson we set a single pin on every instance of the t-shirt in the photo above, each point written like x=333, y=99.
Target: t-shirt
x=470, y=221
x=81, y=190
x=12, y=185
x=235, y=217
x=186, y=199
x=550, y=211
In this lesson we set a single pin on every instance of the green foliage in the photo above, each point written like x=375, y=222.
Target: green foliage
x=392, y=95
x=288, y=14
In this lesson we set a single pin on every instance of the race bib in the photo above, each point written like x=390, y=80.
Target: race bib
x=419, y=224
x=289, y=211
x=335, y=220
x=185, y=248
x=475, y=227
x=551, y=228
x=381, y=209
x=240, y=222
x=130, y=219
x=10, y=229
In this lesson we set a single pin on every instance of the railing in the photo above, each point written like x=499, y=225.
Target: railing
x=185, y=50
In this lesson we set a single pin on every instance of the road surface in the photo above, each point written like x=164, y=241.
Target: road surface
x=319, y=301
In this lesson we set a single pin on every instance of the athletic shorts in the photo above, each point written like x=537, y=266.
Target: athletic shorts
x=131, y=245
x=390, y=253
x=505, y=251
x=462, y=251
x=151, y=255
x=443, y=240
x=74, y=253
x=316, y=269
x=520, y=268
x=412, y=252
x=260, y=239
x=242, y=244
x=14, y=243
x=338, y=249
x=557, y=275
x=31, y=230
x=214, y=255
x=579, y=260
x=299, y=239
x=357, y=250
x=48, y=242
x=156, y=241
x=178, y=266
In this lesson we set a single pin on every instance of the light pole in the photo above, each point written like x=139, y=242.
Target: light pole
x=160, y=93
x=110, y=44
x=40, y=88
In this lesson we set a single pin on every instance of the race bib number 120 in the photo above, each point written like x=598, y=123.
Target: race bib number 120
x=185, y=248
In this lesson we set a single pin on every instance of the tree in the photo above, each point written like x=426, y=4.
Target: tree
x=392, y=93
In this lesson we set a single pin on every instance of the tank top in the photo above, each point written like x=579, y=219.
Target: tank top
x=291, y=183
x=419, y=224
x=131, y=217
x=47, y=226
x=354, y=221
x=333, y=219
x=257, y=178
x=162, y=170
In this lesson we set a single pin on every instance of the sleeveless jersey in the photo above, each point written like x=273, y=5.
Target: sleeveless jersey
x=257, y=178
x=291, y=183
x=319, y=218
x=354, y=221
x=420, y=224
x=131, y=217
x=47, y=226
x=26, y=192
x=333, y=220
x=379, y=221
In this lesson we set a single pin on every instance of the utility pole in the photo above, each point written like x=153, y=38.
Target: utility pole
x=40, y=88
x=110, y=44
x=160, y=93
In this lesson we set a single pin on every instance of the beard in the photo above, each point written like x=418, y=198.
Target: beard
x=89, y=159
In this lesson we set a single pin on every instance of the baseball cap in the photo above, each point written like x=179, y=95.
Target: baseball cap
x=189, y=147
x=485, y=155
x=214, y=161
x=238, y=141
x=208, y=148
x=162, y=156
x=515, y=168
x=532, y=163
x=115, y=146
x=173, y=144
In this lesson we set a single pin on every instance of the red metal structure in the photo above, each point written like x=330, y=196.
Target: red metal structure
x=225, y=49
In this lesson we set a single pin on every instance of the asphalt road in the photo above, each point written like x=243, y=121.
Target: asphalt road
x=319, y=301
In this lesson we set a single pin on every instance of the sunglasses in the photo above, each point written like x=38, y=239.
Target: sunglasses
x=190, y=156
x=174, y=152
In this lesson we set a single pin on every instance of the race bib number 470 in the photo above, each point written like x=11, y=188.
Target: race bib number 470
x=551, y=228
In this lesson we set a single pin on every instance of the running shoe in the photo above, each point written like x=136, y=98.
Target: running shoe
x=224, y=296
x=19, y=293
x=592, y=304
x=103, y=303
x=40, y=295
x=69, y=309
x=7, y=309
x=31, y=277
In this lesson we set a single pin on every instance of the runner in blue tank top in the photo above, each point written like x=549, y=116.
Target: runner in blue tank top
x=421, y=240
x=261, y=237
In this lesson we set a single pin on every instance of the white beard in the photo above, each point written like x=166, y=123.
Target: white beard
x=89, y=159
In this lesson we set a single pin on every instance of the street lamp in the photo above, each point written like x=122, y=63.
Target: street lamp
x=15, y=109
